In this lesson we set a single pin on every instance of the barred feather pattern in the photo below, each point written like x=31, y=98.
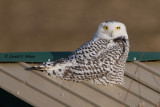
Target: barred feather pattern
x=99, y=61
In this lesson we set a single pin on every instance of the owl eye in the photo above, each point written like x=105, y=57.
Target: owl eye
x=105, y=27
x=118, y=27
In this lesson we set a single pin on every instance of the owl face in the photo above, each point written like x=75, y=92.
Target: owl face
x=111, y=30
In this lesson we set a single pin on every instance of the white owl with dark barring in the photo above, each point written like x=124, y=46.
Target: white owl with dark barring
x=101, y=60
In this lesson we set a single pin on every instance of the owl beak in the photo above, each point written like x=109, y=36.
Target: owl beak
x=111, y=33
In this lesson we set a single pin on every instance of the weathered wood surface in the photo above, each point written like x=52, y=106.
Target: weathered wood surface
x=38, y=89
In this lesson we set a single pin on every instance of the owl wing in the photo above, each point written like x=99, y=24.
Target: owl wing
x=98, y=61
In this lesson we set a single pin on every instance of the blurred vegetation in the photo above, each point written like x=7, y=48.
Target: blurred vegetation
x=64, y=25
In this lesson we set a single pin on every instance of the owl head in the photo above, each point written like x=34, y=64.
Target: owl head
x=111, y=29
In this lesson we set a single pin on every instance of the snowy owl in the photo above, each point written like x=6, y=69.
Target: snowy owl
x=101, y=60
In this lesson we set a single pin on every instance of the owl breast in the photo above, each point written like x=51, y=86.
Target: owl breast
x=99, y=61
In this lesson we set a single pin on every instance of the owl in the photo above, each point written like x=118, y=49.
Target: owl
x=100, y=61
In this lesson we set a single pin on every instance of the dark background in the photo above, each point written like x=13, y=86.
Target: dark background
x=64, y=25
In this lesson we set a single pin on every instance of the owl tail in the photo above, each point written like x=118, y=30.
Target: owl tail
x=40, y=68
x=44, y=66
x=54, y=68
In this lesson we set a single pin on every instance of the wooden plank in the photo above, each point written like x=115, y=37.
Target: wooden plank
x=44, y=87
x=153, y=66
x=110, y=92
x=22, y=91
x=44, y=56
x=142, y=75
x=32, y=56
x=83, y=91
x=115, y=94
x=143, y=56
x=147, y=95
x=14, y=101
x=119, y=93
